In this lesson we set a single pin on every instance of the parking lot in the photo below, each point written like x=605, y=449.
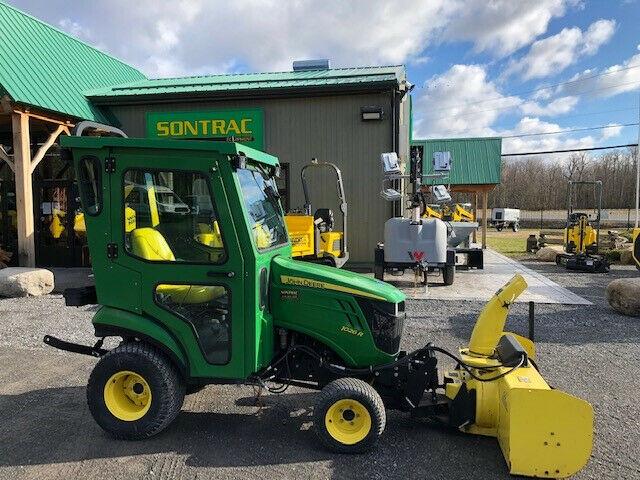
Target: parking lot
x=47, y=432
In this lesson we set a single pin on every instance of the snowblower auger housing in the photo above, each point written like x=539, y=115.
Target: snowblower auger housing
x=193, y=270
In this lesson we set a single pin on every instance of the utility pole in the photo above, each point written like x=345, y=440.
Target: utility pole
x=638, y=166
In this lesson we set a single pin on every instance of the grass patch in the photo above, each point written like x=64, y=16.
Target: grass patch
x=511, y=244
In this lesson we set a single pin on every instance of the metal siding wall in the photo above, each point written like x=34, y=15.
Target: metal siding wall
x=329, y=128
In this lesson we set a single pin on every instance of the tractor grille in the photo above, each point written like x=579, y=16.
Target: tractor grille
x=386, y=321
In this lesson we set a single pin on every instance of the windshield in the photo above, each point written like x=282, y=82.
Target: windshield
x=261, y=199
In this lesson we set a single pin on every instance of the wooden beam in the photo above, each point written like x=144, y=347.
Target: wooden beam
x=44, y=148
x=7, y=158
x=485, y=201
x=45, y=118
x=24, y=189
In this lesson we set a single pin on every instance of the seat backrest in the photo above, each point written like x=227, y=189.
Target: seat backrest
x=148, y=243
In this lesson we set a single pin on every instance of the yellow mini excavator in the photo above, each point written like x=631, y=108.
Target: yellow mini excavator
x=312, y=234
x=582, y=235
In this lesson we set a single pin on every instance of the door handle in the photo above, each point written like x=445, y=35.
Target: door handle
x=213, y=273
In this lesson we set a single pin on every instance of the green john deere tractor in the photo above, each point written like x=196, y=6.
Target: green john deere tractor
x=193, y=271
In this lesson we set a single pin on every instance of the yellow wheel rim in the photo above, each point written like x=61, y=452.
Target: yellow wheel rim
x=348, y=421
x=127, y=396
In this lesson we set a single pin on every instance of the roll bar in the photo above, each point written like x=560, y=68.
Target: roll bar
x=341, y=195
x=101, y=128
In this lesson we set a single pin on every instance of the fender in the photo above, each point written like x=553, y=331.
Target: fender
x=109, y=322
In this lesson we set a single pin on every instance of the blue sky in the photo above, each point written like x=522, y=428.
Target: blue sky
x=481, y=67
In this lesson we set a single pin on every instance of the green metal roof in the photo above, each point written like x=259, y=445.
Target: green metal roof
x=46, y=68
x=332, y=78
x=474, y=161
x=226, y=148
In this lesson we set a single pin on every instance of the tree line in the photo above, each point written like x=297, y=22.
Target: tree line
x=539, y=183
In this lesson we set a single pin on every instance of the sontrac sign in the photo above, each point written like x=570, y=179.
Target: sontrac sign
x=244, y=126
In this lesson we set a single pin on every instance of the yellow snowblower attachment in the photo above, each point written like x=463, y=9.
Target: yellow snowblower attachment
x=542, y=432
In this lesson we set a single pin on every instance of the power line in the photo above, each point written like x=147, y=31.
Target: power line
x=601, y=127
x=569, y=150
x=553, y=85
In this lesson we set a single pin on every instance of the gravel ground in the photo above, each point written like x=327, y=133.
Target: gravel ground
x=47, y=432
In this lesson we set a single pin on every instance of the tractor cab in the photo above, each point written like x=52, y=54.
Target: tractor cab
x=190, y=228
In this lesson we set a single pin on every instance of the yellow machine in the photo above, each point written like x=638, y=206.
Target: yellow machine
x=498, y=391
x=432, y=211
x=449, y=213
x=312, y=234
x=636, y=247
x=582, y=235
x=457, y=213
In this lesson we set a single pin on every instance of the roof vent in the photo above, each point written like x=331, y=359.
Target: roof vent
x=304, y=65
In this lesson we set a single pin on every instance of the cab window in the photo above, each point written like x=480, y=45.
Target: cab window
x=262, y=202
x=170, y=216
x=90, y=185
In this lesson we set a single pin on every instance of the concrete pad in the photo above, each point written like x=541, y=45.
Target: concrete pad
x=482, y=284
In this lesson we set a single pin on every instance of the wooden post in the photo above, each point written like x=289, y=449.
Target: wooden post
x=24, y=189
x=485, y=200
x=474, y=235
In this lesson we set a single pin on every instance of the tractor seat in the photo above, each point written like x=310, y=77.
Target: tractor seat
x=323, y=218
x=149, y=244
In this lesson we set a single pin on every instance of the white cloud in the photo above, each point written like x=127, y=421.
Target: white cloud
x=553, y=54
x=533, y=143
x=533, y=125
x=503, y=26
x=183, y=37
x=455, y=103
x=555, y=107
x=614, y=80
x=612, y=130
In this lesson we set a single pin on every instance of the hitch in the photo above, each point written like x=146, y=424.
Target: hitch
x=95, y=351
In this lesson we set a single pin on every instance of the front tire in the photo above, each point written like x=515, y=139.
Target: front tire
x=349, y=416
x=135, y=391
x=448, y=274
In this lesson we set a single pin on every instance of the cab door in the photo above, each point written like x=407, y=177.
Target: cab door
x=177, y=252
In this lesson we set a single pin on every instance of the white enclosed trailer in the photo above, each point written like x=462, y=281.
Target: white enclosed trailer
x=505, y=217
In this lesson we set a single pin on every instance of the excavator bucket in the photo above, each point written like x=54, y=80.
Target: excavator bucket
x=542, y=432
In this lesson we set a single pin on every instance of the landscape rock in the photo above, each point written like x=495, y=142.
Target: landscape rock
x=548, y=253
x=626, y=257
x=25, y=282
x=623, y=295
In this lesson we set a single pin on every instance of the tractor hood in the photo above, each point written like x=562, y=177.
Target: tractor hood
x=286, y=271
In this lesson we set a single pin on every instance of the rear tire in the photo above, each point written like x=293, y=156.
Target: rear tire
x=135, y=391
x=515, y=227
x=349, y=416
x=448, y=274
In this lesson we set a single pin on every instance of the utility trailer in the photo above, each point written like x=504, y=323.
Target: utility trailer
x=505, y=217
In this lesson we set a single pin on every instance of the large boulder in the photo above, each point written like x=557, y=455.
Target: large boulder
x=548, y=253
x=626, y=257
x=24, y=282
x=623, y=295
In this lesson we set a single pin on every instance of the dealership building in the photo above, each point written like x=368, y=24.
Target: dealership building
x=50, y=81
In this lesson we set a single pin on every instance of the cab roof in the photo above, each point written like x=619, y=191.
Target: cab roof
x=224, y=148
